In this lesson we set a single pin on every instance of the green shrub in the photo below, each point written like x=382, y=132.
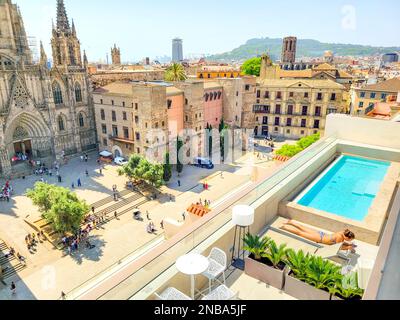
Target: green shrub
x=321, y=273
x=275, y=254
x=297, y=262
x=256, y=245
x=347, y=287
x=291, y=150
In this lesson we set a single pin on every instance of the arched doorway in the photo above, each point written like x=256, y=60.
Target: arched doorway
x=22, y=145
x=117, y=152
x=27, y=137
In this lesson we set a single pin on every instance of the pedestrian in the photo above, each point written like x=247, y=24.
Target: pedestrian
x=82, y=158
x=13, y=288
x=87, y=173
x=21, y=259
x=73, y=185
x=179, y=183
x=63, y=296
x=79, y=182
x=148, y=215
x=93, y=209
x=116, y=215
x=101, y=171
x=59, y=179
x=162, y=224
x=184, y=216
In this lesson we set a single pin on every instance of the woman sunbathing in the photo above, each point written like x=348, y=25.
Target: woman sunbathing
x=320, y=236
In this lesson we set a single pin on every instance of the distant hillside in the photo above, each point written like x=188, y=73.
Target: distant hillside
x=305, y=48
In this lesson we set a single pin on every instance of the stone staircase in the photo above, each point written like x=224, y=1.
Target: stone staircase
x=10, y=265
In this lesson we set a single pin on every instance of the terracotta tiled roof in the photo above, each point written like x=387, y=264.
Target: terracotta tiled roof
x=324, y=66
x=295, y=73
x=392, y=85
x=198, y=210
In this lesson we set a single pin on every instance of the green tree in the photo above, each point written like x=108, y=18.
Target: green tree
x=167, y=169
x=252, y=67
x=59, y=206
x=43, y=195
x=154, y=174
x=179, y=145
x=128, y=170
x=176, y=72
x=209, y=140
x=68, y=213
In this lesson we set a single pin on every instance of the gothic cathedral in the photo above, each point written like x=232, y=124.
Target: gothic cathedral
x=45, y=111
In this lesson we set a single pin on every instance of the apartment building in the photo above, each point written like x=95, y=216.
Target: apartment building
x=128, y=116
x=295, y=108
x=214, y=72
x=364, y=98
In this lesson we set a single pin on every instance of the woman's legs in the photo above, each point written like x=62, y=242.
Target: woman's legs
x=301, y=228
x=314, y=236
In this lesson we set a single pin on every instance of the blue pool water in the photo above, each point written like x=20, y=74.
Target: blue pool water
x=348, y=188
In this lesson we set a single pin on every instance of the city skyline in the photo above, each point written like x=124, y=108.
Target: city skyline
x=352, y=22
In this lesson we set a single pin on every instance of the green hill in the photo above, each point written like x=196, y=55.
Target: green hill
x=305, y=48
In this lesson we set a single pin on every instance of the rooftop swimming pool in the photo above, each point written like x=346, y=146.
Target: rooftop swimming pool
x=347, y=188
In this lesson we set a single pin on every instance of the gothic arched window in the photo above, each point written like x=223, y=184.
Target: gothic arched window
x=81, y=120
x=57, y=93
x=61, y=124
x=78, y=93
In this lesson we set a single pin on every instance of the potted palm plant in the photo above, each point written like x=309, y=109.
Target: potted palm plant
x=310, y=277
x=347, y=288
x=266, y=260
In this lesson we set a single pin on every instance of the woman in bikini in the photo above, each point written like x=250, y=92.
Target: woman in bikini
x=320, y=236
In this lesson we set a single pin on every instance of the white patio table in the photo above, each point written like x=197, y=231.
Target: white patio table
x=192, y=264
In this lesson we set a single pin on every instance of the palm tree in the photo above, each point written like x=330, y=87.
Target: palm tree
x=175, y=72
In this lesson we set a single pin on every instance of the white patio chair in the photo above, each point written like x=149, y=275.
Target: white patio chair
x=171, y=294
x=217, y=267
x=221, y=293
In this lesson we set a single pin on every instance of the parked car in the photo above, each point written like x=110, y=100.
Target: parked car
x=120, y=161
x=203, y=163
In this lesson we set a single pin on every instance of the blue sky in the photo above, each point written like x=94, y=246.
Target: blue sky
x=145, y=28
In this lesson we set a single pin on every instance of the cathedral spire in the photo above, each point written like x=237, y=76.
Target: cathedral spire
x=85, y=60
x=43, y=56
x=62, y=18
x=73, y=28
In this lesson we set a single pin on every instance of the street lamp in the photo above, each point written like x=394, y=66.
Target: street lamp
x=243, y=218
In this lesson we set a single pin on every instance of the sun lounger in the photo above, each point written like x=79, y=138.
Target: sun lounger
x=332, y=251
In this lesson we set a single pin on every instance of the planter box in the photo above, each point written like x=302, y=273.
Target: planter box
x=303, y=291
x=264, y=273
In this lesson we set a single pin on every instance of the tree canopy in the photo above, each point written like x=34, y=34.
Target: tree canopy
x=59, y=206
x=176, y=72
x=252, y=67
x=139, y=168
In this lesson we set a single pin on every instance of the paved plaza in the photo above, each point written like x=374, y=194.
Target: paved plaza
x=50, y=271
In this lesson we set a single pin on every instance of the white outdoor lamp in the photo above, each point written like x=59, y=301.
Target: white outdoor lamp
x=243, y=218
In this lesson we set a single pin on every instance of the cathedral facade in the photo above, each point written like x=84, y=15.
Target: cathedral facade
x=45, y=111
